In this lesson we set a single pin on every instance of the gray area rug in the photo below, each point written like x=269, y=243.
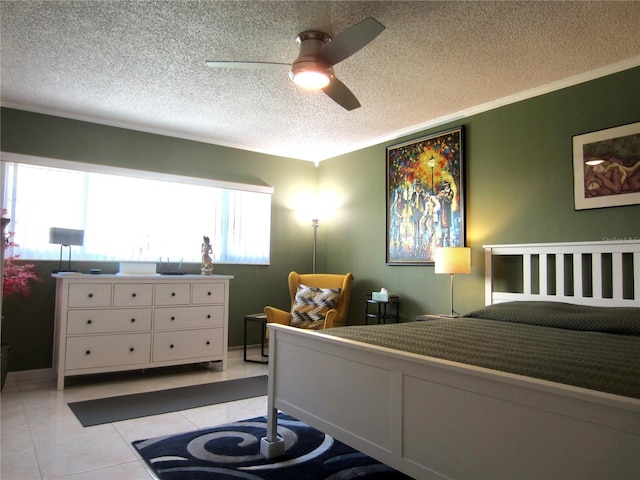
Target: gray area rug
x=126, y=407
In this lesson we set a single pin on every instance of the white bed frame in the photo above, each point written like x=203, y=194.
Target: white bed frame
x=432, y=418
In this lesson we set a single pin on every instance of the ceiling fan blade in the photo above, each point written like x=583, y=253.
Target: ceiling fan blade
x=249, y=65
x=341, y=94
x=350, y=41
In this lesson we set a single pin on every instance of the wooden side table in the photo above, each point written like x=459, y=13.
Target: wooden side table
x=259, y=318
x=381, y=312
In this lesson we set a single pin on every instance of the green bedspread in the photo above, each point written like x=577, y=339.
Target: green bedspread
x=564, y=350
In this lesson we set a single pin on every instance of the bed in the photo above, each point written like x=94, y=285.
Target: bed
x=434, y=417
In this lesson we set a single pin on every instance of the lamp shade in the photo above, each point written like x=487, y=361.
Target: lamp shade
x=66, y=236
x=310, y=79
x=453, y=260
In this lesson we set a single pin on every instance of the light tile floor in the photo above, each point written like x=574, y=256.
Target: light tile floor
x=42, y=439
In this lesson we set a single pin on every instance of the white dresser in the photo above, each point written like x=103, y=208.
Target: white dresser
x=107, y=323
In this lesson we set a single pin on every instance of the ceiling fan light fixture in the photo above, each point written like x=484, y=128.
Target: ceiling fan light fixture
x=313, y=69
x=311, y=79
x=307, y=71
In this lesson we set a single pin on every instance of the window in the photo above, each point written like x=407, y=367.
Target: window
x=131, y=215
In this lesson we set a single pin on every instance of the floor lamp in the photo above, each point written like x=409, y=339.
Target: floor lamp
x=314, y=224
x=65, y=237
x=452, y=260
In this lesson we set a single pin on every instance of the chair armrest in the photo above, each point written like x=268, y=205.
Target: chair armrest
x=333, y=319
x=275, y=315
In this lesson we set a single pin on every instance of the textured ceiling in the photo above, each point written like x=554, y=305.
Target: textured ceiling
x=142, y=64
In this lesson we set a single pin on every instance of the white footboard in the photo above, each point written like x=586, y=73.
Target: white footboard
x=431, y=418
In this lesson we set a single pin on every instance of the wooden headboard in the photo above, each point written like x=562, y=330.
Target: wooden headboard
x=587, y=273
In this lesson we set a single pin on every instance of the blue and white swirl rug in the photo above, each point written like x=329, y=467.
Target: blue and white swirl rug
x=232, y=451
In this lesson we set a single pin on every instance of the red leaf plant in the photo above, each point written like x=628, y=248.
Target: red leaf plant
x=16, y=279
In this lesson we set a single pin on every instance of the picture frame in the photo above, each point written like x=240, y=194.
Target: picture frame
x=606, y=167
x=424, y=197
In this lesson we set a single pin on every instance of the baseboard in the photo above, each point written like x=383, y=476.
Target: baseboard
x=35, y=374
x=235, y=352
x=47, y=373
x=252, y=351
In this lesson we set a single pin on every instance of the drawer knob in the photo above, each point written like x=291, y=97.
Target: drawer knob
x=131, y=349
x=209, y=293
x=133, y=320
x=90, y=295
x=134, y=295
x=89, y=322
x=171, y=346
x=173, y=318
x=173, y=294
x=88, y=352
x=209, y=316
x=208, y=342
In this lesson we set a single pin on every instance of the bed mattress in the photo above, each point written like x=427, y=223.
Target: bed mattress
x=575, y=345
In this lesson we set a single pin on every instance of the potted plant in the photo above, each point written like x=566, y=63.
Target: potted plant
x=17, y=280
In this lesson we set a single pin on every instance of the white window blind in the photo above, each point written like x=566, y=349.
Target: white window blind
x=127, y=217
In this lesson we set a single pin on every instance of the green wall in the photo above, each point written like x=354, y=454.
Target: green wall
x=518, y=189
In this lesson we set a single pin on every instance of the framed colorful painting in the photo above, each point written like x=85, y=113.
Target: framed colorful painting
x=425, y=197
x=606, y=167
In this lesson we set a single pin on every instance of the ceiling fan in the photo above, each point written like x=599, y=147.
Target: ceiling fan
x=313, y=69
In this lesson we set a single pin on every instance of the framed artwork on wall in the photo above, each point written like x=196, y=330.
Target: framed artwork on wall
x=424, y=197
x=606, y=167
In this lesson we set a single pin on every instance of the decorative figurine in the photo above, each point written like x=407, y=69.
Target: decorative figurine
x=207, y=263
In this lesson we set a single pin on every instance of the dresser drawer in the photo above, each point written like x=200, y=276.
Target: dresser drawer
x=173, y=294
x=189, y=344
x=175, y=318
x=89, y=295
x=208, y=293
x=133, y=295
x=82, y=322
x=107, y=350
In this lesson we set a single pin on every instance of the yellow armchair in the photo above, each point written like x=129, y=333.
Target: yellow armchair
x=335, y=317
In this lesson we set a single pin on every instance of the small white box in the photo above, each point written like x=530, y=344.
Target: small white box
x=380, y=296
x=137, y=268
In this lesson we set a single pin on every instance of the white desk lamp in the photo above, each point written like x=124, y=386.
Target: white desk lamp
x=452, y=260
